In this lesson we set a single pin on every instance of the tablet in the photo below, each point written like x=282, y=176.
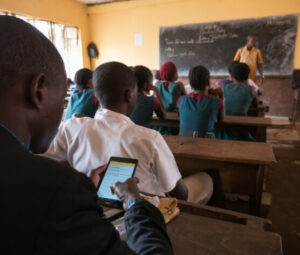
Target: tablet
x=117, y=170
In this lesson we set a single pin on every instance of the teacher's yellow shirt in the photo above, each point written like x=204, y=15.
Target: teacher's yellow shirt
x=251, y=58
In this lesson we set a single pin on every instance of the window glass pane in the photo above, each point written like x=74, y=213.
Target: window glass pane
x=65, y=38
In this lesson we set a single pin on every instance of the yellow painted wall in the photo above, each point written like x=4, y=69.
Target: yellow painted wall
x=64, y=11
x=112, y=26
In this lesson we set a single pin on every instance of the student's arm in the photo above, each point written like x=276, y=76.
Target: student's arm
x=166, y=170
x=158, y=103
x=74, y=224
x=159, y=109
x=182, y=88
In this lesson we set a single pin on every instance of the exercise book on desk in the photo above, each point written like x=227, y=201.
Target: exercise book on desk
x=167, y=206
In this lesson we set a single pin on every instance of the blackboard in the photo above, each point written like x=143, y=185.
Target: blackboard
x=214, y=44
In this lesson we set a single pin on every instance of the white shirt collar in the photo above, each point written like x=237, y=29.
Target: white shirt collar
x=105, y=113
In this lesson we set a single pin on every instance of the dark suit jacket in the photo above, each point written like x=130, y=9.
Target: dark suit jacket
x=49, y=208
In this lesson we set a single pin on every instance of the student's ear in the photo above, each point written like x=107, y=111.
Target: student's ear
x=129, y=95
x=37, y=90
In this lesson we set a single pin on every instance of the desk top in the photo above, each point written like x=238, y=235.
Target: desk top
x=194, y=234
x=221, y=150
x=237, y=120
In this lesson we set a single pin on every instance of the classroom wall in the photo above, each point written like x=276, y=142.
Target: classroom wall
x=64, y=11
x=112, y=28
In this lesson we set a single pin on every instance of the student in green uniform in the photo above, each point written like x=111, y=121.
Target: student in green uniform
x=239, y=96
x=198, y=110
x=146, y=103
x=168, y=87
x=83, y=100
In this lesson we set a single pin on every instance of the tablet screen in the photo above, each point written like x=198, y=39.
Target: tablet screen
x=116, y=172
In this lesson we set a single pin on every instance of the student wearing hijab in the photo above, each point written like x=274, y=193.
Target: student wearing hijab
x=169, y=89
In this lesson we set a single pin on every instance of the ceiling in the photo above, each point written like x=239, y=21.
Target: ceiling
x=93, y=2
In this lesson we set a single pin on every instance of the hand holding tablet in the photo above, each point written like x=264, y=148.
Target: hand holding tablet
x=115, y=184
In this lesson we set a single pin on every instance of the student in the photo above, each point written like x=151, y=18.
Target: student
x=238, y=97
x=198, y=110
x=48, y=207
x=169, y=89
x=83, y=100
x=146, y=104
x=229, y=79
x=86, y=142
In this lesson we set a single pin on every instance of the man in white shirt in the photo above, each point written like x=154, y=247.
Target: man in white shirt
x=86, y=143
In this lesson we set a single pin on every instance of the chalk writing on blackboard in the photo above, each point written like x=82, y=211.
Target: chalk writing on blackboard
x=214, y=44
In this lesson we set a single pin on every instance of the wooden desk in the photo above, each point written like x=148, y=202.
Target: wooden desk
x=255, y=125
x=241, y=164
x=206, y=231
x=259, y=111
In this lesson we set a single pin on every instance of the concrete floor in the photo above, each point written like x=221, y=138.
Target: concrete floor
x=284, y=183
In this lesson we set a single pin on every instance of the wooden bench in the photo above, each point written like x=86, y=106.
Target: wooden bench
x=241, y=164
x=256, y=125
x=206, y=230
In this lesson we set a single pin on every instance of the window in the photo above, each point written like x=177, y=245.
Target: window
x=65, y=38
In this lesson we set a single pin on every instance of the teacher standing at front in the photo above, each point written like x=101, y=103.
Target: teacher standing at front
x=250, y=55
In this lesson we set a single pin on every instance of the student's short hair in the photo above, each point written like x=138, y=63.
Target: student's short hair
x=199, y=77
x=231, y=66
x=142, y=75
x=111, y=79
x=252, y=35
x=82, y=77
x=24, y=52
x=157, y=75
x=240, y=72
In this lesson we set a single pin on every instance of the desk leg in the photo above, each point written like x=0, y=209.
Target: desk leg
x=256, y=199
x=261, y=134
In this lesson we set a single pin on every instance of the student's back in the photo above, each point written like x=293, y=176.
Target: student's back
x=169, y=89
x=170, y=92
x=112, y=133
x=82, y=100
x=198, y=114
x=199, y=111
x=142, y=115
x=238, y=98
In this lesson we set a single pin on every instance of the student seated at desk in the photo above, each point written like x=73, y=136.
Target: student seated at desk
x=48, y=207
x=83, y=100
x=238, y=99
x=87, y=143
x=229, y=79
x=146, y=104
x=169, y=89
x=199, y=111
